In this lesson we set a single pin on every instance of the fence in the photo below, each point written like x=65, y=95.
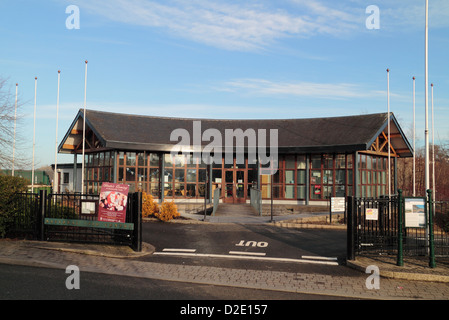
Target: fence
x=378, y=226
x=73, y=218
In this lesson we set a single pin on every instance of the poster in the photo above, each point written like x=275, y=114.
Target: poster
x=338, y=204
x=415, y=212
x=371, y=214
x=113, y=200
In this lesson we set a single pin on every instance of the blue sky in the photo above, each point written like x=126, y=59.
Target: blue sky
x=222, y=59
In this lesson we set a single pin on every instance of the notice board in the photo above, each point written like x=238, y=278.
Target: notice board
x=113, y=200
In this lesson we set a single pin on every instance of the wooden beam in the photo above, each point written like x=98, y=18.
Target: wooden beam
x=383, y=153
x=68, y=147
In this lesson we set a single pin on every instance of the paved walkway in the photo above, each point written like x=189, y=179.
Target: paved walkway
x=123, y=261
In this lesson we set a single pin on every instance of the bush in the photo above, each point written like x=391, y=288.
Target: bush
x=168, y=211
x=10, y=187
x=149, y=206
x=165, y=212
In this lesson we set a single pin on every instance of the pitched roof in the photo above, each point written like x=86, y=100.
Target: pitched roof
x=330, y=134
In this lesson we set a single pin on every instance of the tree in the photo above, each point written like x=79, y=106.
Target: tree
x=9, y=116
x=405, y=173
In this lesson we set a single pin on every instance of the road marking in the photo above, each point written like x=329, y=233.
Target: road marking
x=205, y=255
x=248, y=253
x=178, y=250
x=320, y=258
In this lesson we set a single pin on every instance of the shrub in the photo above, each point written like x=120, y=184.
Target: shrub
x=149, y=206
x=168, y=211
x=9, y=189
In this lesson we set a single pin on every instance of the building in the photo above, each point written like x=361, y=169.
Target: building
x=316, y=158
x=41, y=179
x=68, y=175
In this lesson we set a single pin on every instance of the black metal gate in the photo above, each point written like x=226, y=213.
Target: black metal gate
x=60, y=217
x=377, y=226
x=367, y=234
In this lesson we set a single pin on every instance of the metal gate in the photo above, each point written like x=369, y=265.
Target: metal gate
x=59, y=217
x=377, y=226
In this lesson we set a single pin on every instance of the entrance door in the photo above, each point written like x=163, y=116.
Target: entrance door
x=234, y=188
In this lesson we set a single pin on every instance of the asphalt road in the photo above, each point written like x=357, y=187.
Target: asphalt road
x=249, y=246
x=35, y=283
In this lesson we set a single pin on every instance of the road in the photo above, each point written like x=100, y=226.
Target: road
x=31, y=283
x=249, y=246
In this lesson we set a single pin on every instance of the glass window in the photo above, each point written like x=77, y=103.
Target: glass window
x=301, y=176
x=289, y=176
x=339, y=191
x=154, y=160
x=190, y=190
x=301, y=162
x=315, y=191
x=289, y=192
x=168, y=160
x=328, y=161
x=301, y=192
x=216, y=176
x=142, y=174
x=290, y=162
x=179, y=160
x=328, y=177
x=252, y=176
x=121, y=158
x=202, y=175
x=191, y=175
x=130, y=159
x=316, y=162
x=154, y=175
x=130, y=174
x=168, y=175
x=340, y=176
x=179, y=175
x=315, y=177
x=340, y=161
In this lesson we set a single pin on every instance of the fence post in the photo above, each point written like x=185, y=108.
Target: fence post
x=350, y=230
x=431, y=244
x=137, y=220
x=400, y=259
x=41, y=214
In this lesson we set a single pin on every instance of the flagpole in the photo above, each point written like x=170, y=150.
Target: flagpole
x=414, y=137
x=388, y=135
x=433, y=150
x=55, y=180
x=34, y=135
x=426, y=131
x=84, y=128
x=14, y=141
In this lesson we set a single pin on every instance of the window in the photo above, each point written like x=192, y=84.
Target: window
x=98, y=169
x=373, y=174
x=331, y=175
x=66, y=177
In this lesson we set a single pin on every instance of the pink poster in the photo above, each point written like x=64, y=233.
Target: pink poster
x=113, y=200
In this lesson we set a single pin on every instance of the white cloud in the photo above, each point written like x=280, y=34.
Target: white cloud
x=263, y=87
x=231, y=26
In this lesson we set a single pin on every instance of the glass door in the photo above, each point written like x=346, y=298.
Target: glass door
x=234, y=186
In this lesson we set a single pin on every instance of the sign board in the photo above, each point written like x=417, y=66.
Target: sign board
x=338, y=204
x=113, y=200
x=89, y=207
x=371, y=214
x=415, y=212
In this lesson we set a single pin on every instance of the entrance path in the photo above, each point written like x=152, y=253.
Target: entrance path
x=235, y=210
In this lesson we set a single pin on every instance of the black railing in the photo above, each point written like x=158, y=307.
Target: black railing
x=380, y=235
x=33, y=214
